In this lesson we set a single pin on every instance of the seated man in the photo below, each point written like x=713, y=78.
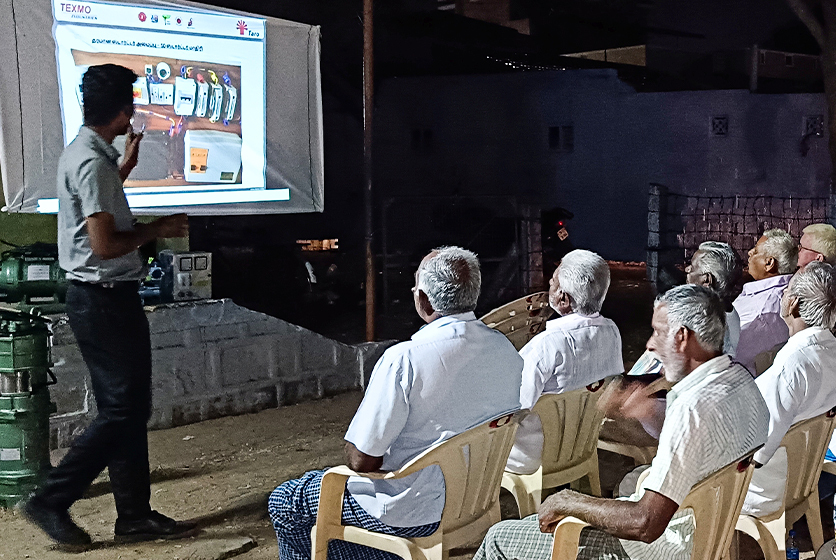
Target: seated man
x=801, y=383
x=714, y=265
x=454, y=374
x=715, y=415
x=772, y=261
x=818, y=243
x=578, y=348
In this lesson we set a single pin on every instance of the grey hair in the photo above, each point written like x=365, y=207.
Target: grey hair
x=782, y=247
x=815, y=289
x=451, y=279
x=698, y=309
x=720, y=261
x=585, y=277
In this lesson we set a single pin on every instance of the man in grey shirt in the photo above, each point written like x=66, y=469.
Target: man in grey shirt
x=98, y=245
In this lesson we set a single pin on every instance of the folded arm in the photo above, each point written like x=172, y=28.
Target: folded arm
x=644, y=520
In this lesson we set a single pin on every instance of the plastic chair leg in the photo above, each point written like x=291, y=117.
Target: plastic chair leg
x=594, y=480
x=813, y=516
x=759, y=531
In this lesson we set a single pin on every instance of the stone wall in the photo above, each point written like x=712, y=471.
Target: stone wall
x=211, y=359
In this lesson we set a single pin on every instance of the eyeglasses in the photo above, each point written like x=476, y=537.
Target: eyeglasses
x=803, y=248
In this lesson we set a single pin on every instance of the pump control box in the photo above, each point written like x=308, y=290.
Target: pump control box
x=186, y=275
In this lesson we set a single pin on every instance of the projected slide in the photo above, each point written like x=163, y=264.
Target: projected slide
x=200, y=95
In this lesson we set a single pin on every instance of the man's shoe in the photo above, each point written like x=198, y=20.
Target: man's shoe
x=56, y=523
x=152, y=527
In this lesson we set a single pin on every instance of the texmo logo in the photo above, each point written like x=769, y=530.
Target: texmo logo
x=75, y=8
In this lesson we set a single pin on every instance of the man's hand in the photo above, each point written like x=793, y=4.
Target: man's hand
x=552, y=511
x=644, y=520
x=131, y=157
x=176, y=225
x=627, y=399
x=359, y=461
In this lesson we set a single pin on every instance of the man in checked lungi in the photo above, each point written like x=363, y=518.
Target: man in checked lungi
x=455, y=373
x=715, y=414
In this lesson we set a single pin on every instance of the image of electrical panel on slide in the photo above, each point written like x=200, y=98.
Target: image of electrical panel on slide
x=191, y=117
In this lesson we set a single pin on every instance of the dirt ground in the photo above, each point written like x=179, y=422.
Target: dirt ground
x=220, y=472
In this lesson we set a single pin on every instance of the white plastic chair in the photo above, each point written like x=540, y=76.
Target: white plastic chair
x=806, y=444
x=522, y=319
x=715, y=502
x=472, y=463
x=571, y=422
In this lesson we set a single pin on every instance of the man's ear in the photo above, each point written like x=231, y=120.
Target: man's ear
x=770, y=265
x=424, y=303
x=681, y=338
x=794, y=307
x=819, y=257
x=709, y=281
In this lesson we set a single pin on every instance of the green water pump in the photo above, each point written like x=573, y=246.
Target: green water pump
x=25, y=407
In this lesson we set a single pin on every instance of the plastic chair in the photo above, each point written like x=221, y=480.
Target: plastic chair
x=472, y=463
x=715, y=502
x=571, y=422
x=806, y=444
x=641, y=455
x=522, y=319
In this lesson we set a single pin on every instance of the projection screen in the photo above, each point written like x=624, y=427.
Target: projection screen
x=230, y=103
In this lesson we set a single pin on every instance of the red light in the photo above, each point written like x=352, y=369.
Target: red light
x=560, y=223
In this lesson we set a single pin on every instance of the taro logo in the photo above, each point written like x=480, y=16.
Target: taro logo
x=242, y=26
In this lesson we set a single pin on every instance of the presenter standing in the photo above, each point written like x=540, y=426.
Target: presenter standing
x=98, y=243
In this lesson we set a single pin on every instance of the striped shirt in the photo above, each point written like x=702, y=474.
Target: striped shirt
x=713, y=417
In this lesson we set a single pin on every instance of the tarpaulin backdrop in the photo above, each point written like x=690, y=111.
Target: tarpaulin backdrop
x=31, y=137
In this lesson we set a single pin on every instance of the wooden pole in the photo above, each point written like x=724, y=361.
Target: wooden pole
x=368, y=112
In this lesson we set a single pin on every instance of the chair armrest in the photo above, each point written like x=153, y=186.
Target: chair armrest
x=332, y=490
x=567, y=534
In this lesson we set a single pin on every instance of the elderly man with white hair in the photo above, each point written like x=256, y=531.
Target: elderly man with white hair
x=454, y=374
x=716, y=265
x=817, y=243
x=710, y=391
x=578, y=348
x=772, y=261
x=801, y=383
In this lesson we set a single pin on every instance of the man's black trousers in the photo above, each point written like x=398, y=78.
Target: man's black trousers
x=112, y=333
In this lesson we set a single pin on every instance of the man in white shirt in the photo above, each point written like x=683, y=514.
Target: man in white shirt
x=578, y=348
x=772, y=261
x=714, y=265
x=715, y=415
x=801, y=383
x=454, y=374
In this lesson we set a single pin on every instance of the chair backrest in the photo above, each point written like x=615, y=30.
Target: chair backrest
x=716, y=502
x=806, y=444
x=521, y=319
x=472, y=463
x=571, y=422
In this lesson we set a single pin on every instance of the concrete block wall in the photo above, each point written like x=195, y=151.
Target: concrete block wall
x=214, y=358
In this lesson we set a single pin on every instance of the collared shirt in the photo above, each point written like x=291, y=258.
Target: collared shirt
x=454, y=374
x=761, y=325
x=713, y=417
x=574, y=351
x=88, y=183
x=800, y=385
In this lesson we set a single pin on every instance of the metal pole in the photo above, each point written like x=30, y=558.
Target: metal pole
x=368, y=110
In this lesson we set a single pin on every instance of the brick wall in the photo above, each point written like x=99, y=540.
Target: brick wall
x=211, y=359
